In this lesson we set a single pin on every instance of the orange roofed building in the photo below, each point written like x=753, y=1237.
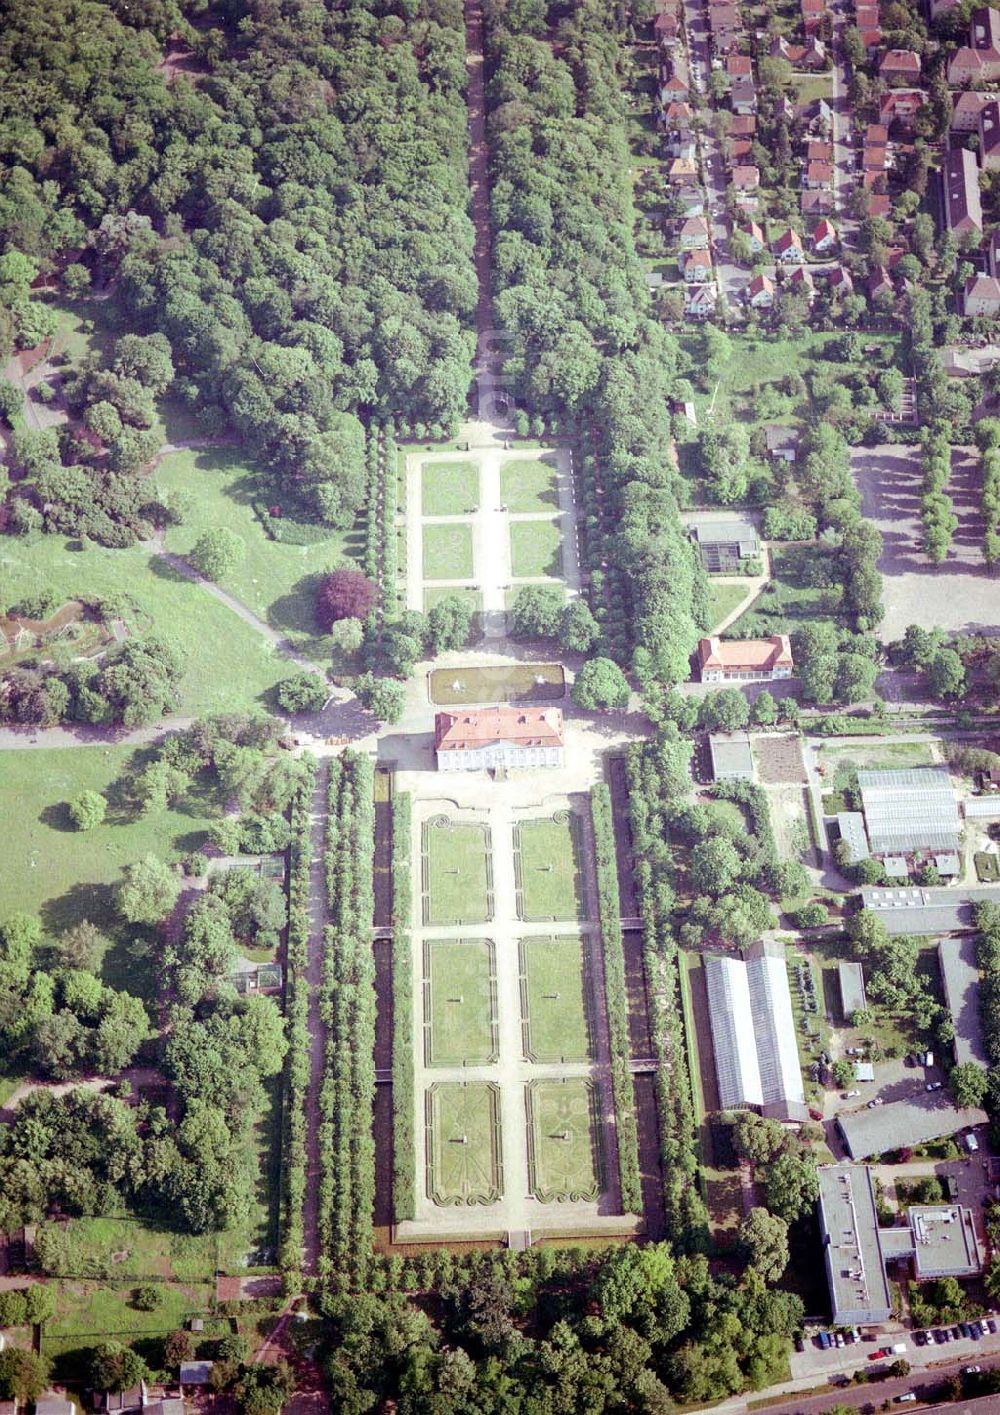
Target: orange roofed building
x=499, y=737
x=745, y=660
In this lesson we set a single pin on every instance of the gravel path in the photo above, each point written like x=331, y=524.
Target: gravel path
x=318, y=920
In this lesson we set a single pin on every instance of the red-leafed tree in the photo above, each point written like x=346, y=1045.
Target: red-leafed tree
x=344, y=594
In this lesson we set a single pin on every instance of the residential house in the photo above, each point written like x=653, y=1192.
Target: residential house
x=963, y=208
x=879, y=284
x=681, y=170
x=840, y=282
x=746, y=179
x=876, y=135
x=690, y=201
x=667, y=28
x=787, y=249
x=694, y=234
x=739, y=66
x=680, y=142
x=979, y=60
x=781, y=442
x=674, y=84
x=966, y=108
x=818, y=175
x=812, y=13
x=700, y=300
x=677, y=114
x=754, y=235
x=726, y=25
x=743, y=95
x=981, y=296
x=199, y=1373
x=791, y=53
x=989, y=136
x=900, y=66
x=866, y=17
x=760, y=293
x=497, y=737
x=816, y=203
x=818, y=150
x=874, y=158
x=824, y=237
x=697, y=266
x=738, y=151
x=745, y=660
x=814, y=57
x=901, y=105
x=880, y=205
x=743, y=125
x=799, y=280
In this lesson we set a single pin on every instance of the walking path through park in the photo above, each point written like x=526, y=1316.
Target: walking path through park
x=318, y=919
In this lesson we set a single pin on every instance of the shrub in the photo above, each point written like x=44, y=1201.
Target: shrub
x=343, y=594
x=302, y=692
x=147, y=1298
x=88, y=810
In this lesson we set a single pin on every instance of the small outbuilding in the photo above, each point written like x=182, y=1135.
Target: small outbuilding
x=851, y=978
x=732, y=759
x=196, y=1373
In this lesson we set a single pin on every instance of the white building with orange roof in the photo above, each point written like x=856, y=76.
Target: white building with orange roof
x=745, y=660
x=499, y=737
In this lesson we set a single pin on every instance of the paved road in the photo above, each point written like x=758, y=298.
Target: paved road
x=844, y=179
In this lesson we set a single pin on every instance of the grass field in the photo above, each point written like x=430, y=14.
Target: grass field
x=529, y=484
x=89, y=1313
x=548, y=860
x=463, y=1144
x=722, y=600
x=460, y=1020
x=788, y=600
x=229, y=665
x=277, y=581
x=449, y=488
x=555, y=1003
x=458, y=877
x=881, y=754
x=514, y=683
x=564, y=1159
x=65, y=874
x=447, y=551
x=535, y=549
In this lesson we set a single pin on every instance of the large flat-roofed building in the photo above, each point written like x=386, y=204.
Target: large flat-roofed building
x=499, y=737
x=732, y=759
x=960, y=975
x=848, y=1222
x=753, y=1032
x=745, y=660
x=723, y=544
x=915, y=808
x=851, y=825
x=851, y=977
x=903, y=1124
x=942, y=1242
x=928, y=911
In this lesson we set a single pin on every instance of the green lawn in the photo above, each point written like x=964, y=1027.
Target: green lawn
x=464, y=1158
x=535, y=549
x=529, y=484
x=277, y=581
x=447, y=551
x=555, y=1002
x=460, y=1026
x=89, y=1313
x=229, y=665
x=449, y=488
x=457, y=873
x=66, y=874
x=881, y=755
x=722, y=600
x=788, y=600
x=549, y=868
x=564, y=1152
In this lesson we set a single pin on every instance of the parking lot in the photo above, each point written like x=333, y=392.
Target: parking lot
x=959, y=594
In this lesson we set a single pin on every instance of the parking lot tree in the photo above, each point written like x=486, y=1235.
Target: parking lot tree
x=968, y=1083
x=600, y=683
x=842, y=1072
x=763, y=1237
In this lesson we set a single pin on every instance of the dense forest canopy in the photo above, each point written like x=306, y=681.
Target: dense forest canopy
x=290, y=210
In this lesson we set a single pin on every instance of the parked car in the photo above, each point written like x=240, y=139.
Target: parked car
x=934, y=1085
x=991, y=1325
x=956, y=1333
x=896, y=1349
x=907, y=1398
x=965, y=1329
x=849, y=1095
x=971, y=1370
x=921, y=1337
x=823, y=1337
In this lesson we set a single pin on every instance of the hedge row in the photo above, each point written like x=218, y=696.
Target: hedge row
x=617, y=998
x=390, y=501
x=991, y=505
x=347, y=1006
x=404, y=1159
x=754, y=797
x=296, y=1082
x=371, y=560
x=653, y=784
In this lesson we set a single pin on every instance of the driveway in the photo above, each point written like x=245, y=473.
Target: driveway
x=959, y=595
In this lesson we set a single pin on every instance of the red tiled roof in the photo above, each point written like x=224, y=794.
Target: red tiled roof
x=745, y=653
x=525, y=727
